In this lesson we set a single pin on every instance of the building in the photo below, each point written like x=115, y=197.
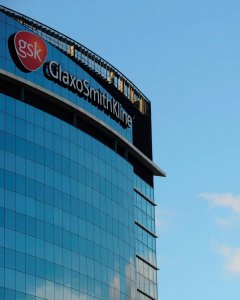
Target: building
x=76, y=172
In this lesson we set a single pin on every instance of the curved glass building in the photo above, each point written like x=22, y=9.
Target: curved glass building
x=76, y=172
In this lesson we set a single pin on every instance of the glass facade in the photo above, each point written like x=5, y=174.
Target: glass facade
x=76, y=221
x=67, y=221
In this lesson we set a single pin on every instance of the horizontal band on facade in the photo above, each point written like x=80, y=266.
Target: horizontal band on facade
x=147, y=230
x=147, y=262
x=144, y=196
x=145, y=294
x=87, y=117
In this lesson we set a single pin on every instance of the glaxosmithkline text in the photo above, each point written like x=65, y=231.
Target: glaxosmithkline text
x=55, y=72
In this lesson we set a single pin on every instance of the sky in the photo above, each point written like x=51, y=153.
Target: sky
x=184, y=55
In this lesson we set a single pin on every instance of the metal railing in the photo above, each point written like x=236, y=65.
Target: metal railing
x=88, y=58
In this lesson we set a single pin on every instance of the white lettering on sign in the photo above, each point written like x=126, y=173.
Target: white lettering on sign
x=27, y=49
x=82, y=88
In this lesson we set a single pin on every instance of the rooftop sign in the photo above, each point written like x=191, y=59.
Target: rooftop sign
x=30, y=53
x=54, y=71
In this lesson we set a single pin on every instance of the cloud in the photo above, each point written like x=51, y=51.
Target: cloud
x=231, y=255
x=227, y=222
x=163, y=219
x=232, y=258
x=223, y=200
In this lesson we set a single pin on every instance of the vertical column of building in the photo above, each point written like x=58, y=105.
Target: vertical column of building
x=146, y=264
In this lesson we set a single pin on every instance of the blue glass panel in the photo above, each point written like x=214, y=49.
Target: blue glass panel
x=20, y=262
x=10, y=282
x=50, y=271
x=2, y=296
x=2, y=257
x=40, y=268
x=9, y=294
x=9, y=259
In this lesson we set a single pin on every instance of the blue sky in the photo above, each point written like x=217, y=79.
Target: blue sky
x=184, y=55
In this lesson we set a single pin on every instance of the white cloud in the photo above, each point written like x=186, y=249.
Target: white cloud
x=163, y=219
x=230, y=217
x=223, y=200
x=228, y=222
x=231, y=255
x=232, y=258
